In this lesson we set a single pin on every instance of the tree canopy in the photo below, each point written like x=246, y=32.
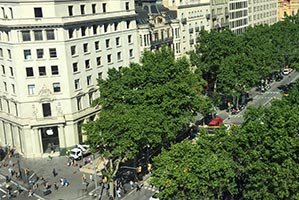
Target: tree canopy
x=258, y=160
x=144, y=105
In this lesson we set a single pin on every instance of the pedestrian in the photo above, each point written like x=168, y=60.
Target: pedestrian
x=138, y=188
x=55, y=186
x=118, y=192
x=54, y=172
x=61, y=181
x=30, y=193
x=83, y=179
x=65, y=182
x=131, y=184
x=19, y=189
x=90, y=177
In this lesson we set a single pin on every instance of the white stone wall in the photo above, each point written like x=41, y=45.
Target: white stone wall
x=27, y=119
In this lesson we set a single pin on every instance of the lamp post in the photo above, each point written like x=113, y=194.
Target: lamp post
x=95, y=172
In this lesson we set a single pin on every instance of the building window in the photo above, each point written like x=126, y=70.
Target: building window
x=26, y=36
x=11, y=71
x=40, y=53
x=71, y=33
x=31, y=89
x=97, y=45
x=82, y=9
x=5, y=86
x=104, y=6
x=27, y=54
x=70, y=9
x=87, y=64
x=73, y=50
x=106, y=28
x=38, y=12
x=107, y=43
x=77, y=84
x=52, y=52
x=38, y=35
x=50, y=34
x=46, y=109
x=90, y=98
x=9, y=53
x=131, y=53
x=93, y=8
x=13, y=88
x=109, y=58
x=115, y=26
x=88, y=80
x=129, y=39
x=117, y=40
x=83, y=31
x=79, y=103
x=42, y=71
x=29, y=72
x=118, y=55
x=100, y=75
x=85, y=47
x=56, y=87
x=127, y=6
x=3, y=69
x=99, y=62
x=54, y=70
x=94, y=29
x=1, y=52
x=75, y=67
x=128, y=24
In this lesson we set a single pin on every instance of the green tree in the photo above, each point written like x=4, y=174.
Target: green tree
x=259, y=159
x=193, y=171
x=145, y=104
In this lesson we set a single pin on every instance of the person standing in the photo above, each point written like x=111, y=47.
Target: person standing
x=90, y=177
x=54, y=172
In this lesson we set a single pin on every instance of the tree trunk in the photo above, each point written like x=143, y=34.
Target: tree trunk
x=114, y=168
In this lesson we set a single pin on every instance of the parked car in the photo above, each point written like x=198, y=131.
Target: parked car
x=286, y=71
x=154, y=197
x=79, y=151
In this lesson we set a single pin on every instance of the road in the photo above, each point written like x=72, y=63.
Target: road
x=4, y=191
x=261, y=99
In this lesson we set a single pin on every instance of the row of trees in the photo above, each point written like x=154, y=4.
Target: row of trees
x=147, y=104
x=259, y=160
x=232, y=64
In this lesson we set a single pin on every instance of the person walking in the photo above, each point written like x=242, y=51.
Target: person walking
x=54, y=172
x=83, y=179
x=30, y=193
x=55, y=186
x=90, y=177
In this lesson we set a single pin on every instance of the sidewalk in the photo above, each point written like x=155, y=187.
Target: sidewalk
x=43, y=167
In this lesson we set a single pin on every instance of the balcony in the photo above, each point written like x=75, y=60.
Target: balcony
x=184, y=20
x=156, y=44
x=214, y=17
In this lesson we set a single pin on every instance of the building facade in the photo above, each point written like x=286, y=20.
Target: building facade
x=194, y=16
x=51, y=55
x=238, y=15
x=287, y=8
x=157, y=27
x=219, y=14
x=262, y=12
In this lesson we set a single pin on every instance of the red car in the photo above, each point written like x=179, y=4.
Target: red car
x=216, y=121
